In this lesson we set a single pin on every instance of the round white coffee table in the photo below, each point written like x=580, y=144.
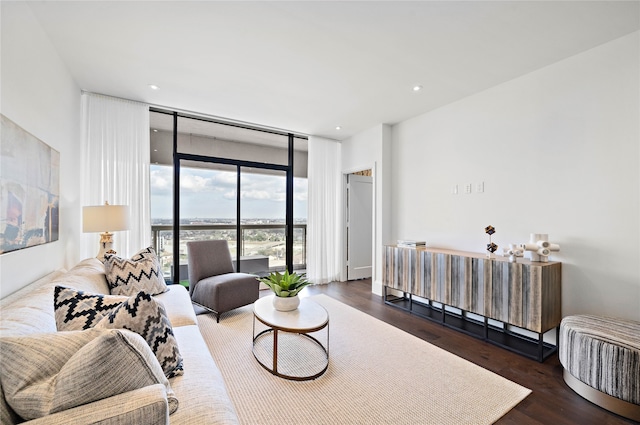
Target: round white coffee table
x=292, y=352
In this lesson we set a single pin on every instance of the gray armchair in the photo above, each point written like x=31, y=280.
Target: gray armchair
x=213, y=284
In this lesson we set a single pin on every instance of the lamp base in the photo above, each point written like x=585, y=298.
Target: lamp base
x=106, y=245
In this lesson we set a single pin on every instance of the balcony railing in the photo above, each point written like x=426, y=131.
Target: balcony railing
x=262, y=246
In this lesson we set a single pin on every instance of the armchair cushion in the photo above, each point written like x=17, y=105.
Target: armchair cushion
x=226, y=292
x=54, y=372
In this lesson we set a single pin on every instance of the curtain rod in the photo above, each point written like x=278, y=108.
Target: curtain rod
x=201, y=115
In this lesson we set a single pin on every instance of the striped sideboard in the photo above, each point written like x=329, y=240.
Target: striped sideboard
x=524, y=294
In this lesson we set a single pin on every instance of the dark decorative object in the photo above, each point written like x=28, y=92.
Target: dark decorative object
x=491, y=247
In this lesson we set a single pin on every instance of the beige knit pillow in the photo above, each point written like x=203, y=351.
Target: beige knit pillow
x=49, y=373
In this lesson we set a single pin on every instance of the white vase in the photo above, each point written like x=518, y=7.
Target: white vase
x=286, y=303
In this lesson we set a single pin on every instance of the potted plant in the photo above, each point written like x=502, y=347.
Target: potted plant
x=286, y=287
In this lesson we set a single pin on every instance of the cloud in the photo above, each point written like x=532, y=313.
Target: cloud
x=208, y=188
x=300, y=189
x=261, y=187
x=191, y=183
x=224, y=178
x=230, y=195
x=263, y=195
x=161, y=180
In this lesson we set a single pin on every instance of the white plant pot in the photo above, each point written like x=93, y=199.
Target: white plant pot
x=286, y=303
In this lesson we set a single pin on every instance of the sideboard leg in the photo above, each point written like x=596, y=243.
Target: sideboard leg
x=541, y=347
x=486, y=328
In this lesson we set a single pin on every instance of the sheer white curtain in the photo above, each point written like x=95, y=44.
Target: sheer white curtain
x=115, y=167
x=324, y=211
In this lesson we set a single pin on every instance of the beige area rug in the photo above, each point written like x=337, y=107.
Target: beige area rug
x=377, y=374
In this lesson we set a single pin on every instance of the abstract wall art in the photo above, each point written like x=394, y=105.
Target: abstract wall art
x=29, y=189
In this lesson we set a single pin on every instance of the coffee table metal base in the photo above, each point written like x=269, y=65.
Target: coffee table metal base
x=287, y=344
x=291, y=355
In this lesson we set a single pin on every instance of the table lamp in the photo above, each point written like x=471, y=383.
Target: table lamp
x=105, y=219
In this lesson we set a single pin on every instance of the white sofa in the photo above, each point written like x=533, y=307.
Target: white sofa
x=201, y=392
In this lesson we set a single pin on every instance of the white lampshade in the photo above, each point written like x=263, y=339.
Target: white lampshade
x=105, y=218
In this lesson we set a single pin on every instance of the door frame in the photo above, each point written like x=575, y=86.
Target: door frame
x=374, y=236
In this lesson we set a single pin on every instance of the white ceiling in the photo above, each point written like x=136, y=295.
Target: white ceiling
x=310, y=66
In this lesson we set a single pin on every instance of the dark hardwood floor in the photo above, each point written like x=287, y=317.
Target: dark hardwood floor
x=551, y=401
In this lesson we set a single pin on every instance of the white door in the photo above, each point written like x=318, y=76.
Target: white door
x=359, y=226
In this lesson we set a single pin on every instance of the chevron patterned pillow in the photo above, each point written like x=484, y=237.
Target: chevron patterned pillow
x=140, y=273
x=148, y=318
x=147, y=252
x=77, y=310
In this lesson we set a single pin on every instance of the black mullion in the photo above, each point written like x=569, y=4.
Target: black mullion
x=289, y=207
x=227, y=161
x=176, y=202
x=238, y=227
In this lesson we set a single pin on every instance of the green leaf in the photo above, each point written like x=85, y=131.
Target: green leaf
x=285, y=284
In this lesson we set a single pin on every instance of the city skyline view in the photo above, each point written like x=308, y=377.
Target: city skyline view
x=211, y=194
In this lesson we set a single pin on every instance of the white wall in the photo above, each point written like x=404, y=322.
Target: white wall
x=371, y=149
x=558, y=152
x=39, y=95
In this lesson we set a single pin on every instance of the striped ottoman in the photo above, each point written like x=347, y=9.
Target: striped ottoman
x=601, y=360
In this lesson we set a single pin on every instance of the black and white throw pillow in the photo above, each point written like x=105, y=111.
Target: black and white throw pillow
x=148, y=318
x=147, y=252
x=77, y=310
x=142, y=272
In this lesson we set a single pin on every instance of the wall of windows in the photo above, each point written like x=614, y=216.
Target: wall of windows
x=241, y=184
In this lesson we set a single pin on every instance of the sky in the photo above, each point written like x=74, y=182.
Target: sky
x=209, y=193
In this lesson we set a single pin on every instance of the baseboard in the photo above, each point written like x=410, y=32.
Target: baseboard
x=376, y=288
x=612, y=404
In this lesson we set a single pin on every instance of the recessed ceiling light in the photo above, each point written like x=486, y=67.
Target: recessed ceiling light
x=155, y=150
x=417, y=88
x=338, y=128
x=154, y=87
x=155, y=130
